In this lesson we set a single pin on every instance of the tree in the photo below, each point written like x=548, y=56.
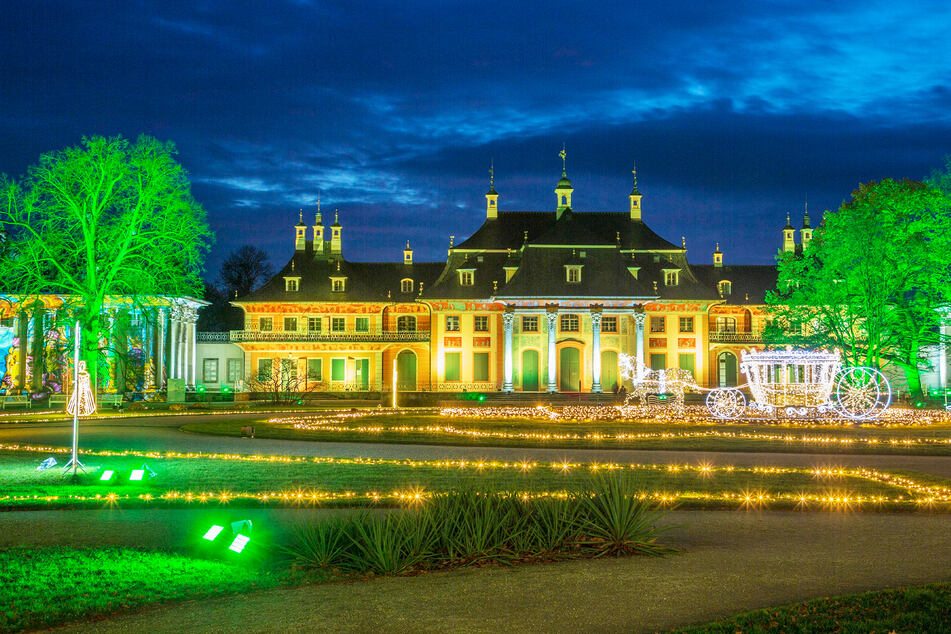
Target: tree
x=874, y=280
x=245, y=269
x=107, y=217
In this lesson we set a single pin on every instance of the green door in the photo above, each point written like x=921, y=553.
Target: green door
x=406, y=371
x=570, y=370
x=609, y=382
x=727, y=369
x=362, y=374
x=530, y=371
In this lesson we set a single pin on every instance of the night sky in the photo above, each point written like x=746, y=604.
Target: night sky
x=736, y=112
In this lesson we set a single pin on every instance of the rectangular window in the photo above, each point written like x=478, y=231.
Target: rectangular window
x=609, y=324
x=288, y=371
x=658, y=361
x=687, y=362
x=290, y=324
x=529, y=324
x=338, y=369
x=658, y=324
x=313, y=324
x=686, y=324
x=363, y=324
x=291, y=284
x=466, y=278
x=265, y=369
x=406, y=323
x=266, y=324
x=337, y=285
x=338, y=324
x=481, y=323
x=452, y=323
x=570, y=323
x=209, y=371
x=574, y=274
x=315, y=370
x=671, y=278
x=480, y=366
x=234, y=370
x=453, y=363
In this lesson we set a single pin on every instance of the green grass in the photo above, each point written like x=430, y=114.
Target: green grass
x=43, y=587
x=928, y=440
x=917, y=609
x=348, y=480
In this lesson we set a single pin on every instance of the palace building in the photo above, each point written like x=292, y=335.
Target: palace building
x=533, y=301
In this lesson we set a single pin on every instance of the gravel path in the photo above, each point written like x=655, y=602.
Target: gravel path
x=731, y=562
x=162, y=433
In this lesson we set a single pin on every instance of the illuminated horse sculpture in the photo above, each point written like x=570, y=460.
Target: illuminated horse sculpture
x=675, y=381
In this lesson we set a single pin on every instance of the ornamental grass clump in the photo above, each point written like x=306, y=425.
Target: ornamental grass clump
x=389, y=544
x=615, y=520
x=319, y=545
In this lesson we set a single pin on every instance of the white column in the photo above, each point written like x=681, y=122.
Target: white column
x=639, y=319
x=596, y=349
x=508, y=319
x=698, y=367
x=160, y=348
x=552, y=316
x=173, y=345
x=193, y=347
x=943, y=355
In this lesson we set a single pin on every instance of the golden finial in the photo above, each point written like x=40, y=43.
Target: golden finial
x=492, y=173
x=452, y=240
x=389, y=294
x=683, y=242
x=317, y=217
x=787, y=219
x=525, y=236
x=564, y=155
x=407, y=244
x=300, y=216
x=338, y=265
x=617, y=236
x=292, y=265
x=495, y=285
x=718, y=245
x=336, y=217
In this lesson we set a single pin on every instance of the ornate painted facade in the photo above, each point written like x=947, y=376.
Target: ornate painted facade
x=533, y=301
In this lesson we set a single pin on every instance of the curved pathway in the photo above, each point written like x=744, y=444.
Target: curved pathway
x=162, y=434
x=731, y=562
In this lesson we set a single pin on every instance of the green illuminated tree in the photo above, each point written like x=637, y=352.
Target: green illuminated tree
x=874, y=280
x=107, y=217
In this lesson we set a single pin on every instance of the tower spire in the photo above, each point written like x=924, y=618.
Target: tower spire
x=634, y=174
x=564, y=165
x=635, y=195
x=491, y=196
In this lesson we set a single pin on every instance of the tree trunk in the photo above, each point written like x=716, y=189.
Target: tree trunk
x=89, y=345
x=912, y=373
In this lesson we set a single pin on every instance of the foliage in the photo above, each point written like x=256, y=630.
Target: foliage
x=616, y=521
x=245, y=269
x=319, y=545
x=47, y=586
x=388, y=544
x=105, y=218
x=917, y=609
x=874, y=279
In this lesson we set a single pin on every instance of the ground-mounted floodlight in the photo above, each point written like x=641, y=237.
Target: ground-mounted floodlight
x=240, y=541
x=107, y=475
x=47, y=464
x=240, y=535
x=212, y=532
x=137, y=475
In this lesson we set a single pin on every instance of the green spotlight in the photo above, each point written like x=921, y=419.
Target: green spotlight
x=225, y=389
x=240, y=541
x=137, y=474
x=107, y=475
x=213, y=532
x=200, y=388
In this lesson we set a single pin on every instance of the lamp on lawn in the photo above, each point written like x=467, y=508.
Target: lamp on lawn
x=81, y=403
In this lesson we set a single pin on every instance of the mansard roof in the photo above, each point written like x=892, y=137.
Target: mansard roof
x=510, y=229
x=749, y=282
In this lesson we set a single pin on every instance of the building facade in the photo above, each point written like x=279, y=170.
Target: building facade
x=533, y=301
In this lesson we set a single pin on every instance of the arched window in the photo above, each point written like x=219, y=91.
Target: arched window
x=406, y=285
x=725, y=287
x=406, y=323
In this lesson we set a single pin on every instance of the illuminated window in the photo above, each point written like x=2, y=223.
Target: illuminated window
x=452, y=323
x=266, y=324
x=671, y=278
x=686, y=324
x=570, y=323
x=453, y=365
x=406, y=286
x=290, y=324
x=466, y=278
x=313, y=324
x=480, y=366
x=726, y=324
x=481, y=323
x=338, y=324
x=609, y=324
x=573, y=273
x=291, y=284
x=338, y=284
x=658, y=324
x=406, y=324
x=209, y=370
x=725, y=288
x=362, y=324
x=315, y=370
x=265, y=369
x=234, y=370
x=529, y=324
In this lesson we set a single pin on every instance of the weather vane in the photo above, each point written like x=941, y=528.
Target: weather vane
x=563, y=156
x=491, y=173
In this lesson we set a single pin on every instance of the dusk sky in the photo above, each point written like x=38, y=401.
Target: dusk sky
x=735, y=112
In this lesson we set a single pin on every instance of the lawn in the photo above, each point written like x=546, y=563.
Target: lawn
x=918, y=609
x=304, y=480
x=702, y=435
x=43, y=587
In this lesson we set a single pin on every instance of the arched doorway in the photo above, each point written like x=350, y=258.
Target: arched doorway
x=609, y=380
x=406, y=371
x=530, y=370
x=726, y=369
x=570, y=370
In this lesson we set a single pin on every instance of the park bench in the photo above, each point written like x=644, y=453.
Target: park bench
x=110, y=399
x=17, y=399
x=58, y=399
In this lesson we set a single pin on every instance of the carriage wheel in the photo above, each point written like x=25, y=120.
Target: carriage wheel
x=861, y=393
x=726, y=402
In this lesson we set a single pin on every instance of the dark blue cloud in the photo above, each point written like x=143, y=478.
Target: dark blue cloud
x=735, y=111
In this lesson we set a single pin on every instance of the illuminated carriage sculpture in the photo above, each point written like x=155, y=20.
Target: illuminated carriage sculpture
x=793, y=382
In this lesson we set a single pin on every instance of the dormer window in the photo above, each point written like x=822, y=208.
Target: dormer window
x=466, y=277
x=406, y=285
x=291, y=284
x=573, y=273
x=633, y=271
x=671, y=277
x=725, y=287
x=338, y=284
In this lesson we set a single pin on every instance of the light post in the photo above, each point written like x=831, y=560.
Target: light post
x=81, y=403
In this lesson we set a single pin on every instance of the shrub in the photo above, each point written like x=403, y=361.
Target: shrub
x=614, y=521
x=137, y=406
x=199, y=405
x=322, y=545
x=554, y=523
x=390, y=544
x=176, y=407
